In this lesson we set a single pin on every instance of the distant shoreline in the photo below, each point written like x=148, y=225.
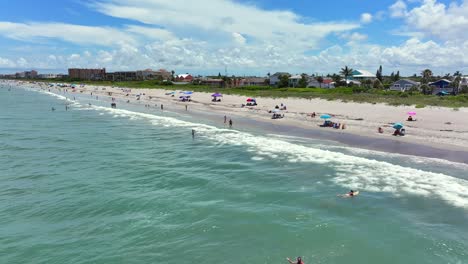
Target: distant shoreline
x=343, y=94
x=424, y=137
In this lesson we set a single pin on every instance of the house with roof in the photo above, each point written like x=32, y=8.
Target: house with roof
x=275, y=78
x=212, y=82
x=328, y=83
x=361, y=75
x=253, y=81
x=294, y=80
x=442, y=85
x=184, y=78
x=464, y=81
x=403, y=85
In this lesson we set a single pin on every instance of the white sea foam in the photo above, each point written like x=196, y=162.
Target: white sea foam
x=352, y=172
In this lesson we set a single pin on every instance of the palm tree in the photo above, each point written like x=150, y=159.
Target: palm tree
x=346, y=72
x=426, y=75
x=320, y=80
x=456, y=82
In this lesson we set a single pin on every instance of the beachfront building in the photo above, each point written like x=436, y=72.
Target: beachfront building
x=463, y=81
x=87, y=74
x=327, y=83
x=403, y=85
x=47, y=76
x=30, y=74
x=149, y=74
x=361, y=75
x=20, y=75
x=184, y=78
x=441, y=85
x=294, y=80
x=211, y=82
x=275, y=78
x=253, y=81
x=26, y=74
x=121, y=76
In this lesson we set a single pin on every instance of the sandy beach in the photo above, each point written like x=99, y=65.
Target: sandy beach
x=435, y=127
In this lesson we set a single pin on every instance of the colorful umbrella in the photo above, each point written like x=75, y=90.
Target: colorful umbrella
x=217, y=95
x=398, y=126
x=251, y=100
x=412, y=113
x=325, y=116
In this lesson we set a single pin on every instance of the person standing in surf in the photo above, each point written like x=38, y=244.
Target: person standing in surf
x=230, y=123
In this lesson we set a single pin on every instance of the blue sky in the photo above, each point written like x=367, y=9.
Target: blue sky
x=248, y=37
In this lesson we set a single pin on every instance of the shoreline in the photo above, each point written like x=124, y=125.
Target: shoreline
x=359, y=133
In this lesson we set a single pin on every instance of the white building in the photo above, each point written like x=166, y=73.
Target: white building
x=361, y=75
x=47, y=76
x=294, y=80
x=463, y=81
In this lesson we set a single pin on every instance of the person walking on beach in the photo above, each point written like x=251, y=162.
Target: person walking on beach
x=225, y=119
x=299, y=261
x=230, y=123
x=186, y=106
x=193, y=133
x=162, y=107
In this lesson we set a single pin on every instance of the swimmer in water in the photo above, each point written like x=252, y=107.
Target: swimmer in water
x=298, y=261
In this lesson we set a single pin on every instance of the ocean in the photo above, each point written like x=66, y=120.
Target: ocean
x=93, y=184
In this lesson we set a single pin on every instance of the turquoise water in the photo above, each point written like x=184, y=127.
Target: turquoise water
x=97, y=185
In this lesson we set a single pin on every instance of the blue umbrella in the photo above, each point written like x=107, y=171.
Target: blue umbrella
x=188, y=92
x=217, y=95
x=398, y=126
x=325, y=116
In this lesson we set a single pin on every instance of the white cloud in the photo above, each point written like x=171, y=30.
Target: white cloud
x=398, y=9
x=239, y=38
x=434, y=19
x=354, y=37
x=206, y=36
x=366, y=18
x=6, y=63
x=208, y=17
x=151, y=33
x=77, y=34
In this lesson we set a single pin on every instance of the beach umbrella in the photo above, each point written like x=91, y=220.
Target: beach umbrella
x=325, y=116
x=398, y=126
x=251, y=100
x=412, y=113
x=276, y=111
x=217, y=95
x=188, y=92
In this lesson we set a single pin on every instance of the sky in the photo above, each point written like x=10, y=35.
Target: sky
x=252, y=37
